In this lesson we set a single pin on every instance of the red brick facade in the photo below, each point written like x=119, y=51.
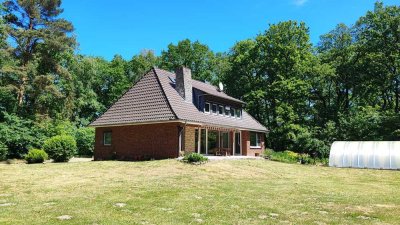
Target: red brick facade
x=138, y=142
x=157, y=141
x=251, y=151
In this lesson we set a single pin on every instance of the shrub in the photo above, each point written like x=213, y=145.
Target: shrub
x=268, y=153
x=195, y=158
x=61, y=148
x=285, y=156
x=85, y=141
x=36, y=156
x=305, y=159
x=18, y=134
x=3, y=151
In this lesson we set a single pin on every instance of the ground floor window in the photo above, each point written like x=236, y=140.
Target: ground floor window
x=213, y=142
x=255, y=139
x=107, y=135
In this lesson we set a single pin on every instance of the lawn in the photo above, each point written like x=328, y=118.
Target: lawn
x=219, y=192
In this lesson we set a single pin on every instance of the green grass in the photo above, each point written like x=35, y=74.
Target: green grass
x=219, y=192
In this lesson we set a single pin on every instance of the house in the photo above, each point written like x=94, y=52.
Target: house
x=166, y=114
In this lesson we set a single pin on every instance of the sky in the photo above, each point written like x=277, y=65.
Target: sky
x=126, y=27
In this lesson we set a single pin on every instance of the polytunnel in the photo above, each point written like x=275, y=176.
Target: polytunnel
x=365, y=154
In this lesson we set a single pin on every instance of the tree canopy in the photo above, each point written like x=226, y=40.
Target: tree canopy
x=347, y=87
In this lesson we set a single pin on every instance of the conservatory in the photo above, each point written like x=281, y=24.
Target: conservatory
x=365, y=154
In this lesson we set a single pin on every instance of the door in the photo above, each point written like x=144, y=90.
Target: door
x=238, y=144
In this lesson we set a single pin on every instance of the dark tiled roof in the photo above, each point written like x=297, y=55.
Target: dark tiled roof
x=187, y=111
x=212, y=90
x=144, y=102
x=154, y=98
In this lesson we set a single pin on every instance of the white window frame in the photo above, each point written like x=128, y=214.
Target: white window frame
x=104, y=138
x=216, y=109
x=227, y=109
x=234, y=112
x=209, y=108
x=240, y=113
x=258, y=140
x=221, y=114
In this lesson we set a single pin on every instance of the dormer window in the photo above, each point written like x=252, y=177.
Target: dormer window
x=238, y=113
x=221, y=110
x=232, y=112
x=214, y=109
x=227, y=111
x=207, y=107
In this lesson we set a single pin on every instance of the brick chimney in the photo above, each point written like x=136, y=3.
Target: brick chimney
x=183, y=83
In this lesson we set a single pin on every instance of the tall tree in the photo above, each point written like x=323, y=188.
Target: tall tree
x=378, y=37
x=194, y=55
x=39, y=38
x=141, y=63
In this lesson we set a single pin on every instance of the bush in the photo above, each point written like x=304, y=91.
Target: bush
x=18, y=135
x=36, y=156
x=3, y=151
x=61, y=148
x=85, y=141
x=268, y=153
x=285, y=156
x=195, y=158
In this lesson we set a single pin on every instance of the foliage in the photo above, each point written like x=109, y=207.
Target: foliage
x=36, y=156
x=85, y=141
x=290, y=157
x=268, y=153
x=347, y=87
x=194, y=55
x=18, y=135
x=195, y=158
x=61, y=148
x=3, y=151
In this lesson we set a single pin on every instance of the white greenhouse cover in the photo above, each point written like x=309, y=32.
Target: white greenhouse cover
x=365, y=154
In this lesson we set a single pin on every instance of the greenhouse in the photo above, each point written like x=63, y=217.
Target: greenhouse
x=365, y=154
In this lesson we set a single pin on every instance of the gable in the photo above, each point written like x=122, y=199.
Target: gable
x=144, y=102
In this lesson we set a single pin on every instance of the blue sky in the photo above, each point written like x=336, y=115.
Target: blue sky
x=105, y=28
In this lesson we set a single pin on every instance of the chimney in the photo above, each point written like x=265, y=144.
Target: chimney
x=183, y=83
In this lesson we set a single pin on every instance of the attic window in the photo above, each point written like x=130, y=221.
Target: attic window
x=232, y=112
x=207, y=107
x=214, y=109
x=221, y=110
x=238, y=113
x=227, y=110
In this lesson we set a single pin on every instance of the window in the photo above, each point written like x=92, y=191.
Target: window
x=225, y=140
x=238, y=113
x=207, y=107
x=221, y=110
x=214, y=109
x=232, y=112
x=227, y=109
x=255, y=140
x=107, y=138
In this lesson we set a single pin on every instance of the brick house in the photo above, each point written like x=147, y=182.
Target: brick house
x=166, y=114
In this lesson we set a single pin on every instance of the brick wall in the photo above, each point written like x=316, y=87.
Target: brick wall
x=138, y=142
x=246, y=149
x=189, y=140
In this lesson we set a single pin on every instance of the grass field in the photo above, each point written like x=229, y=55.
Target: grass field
x=219, y=192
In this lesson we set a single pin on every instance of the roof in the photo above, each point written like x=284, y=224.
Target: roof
x=154, y=99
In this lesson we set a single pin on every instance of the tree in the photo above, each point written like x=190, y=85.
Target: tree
x=194, y=55
x=378, y=42
x=140, y=64
x=40, y=38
